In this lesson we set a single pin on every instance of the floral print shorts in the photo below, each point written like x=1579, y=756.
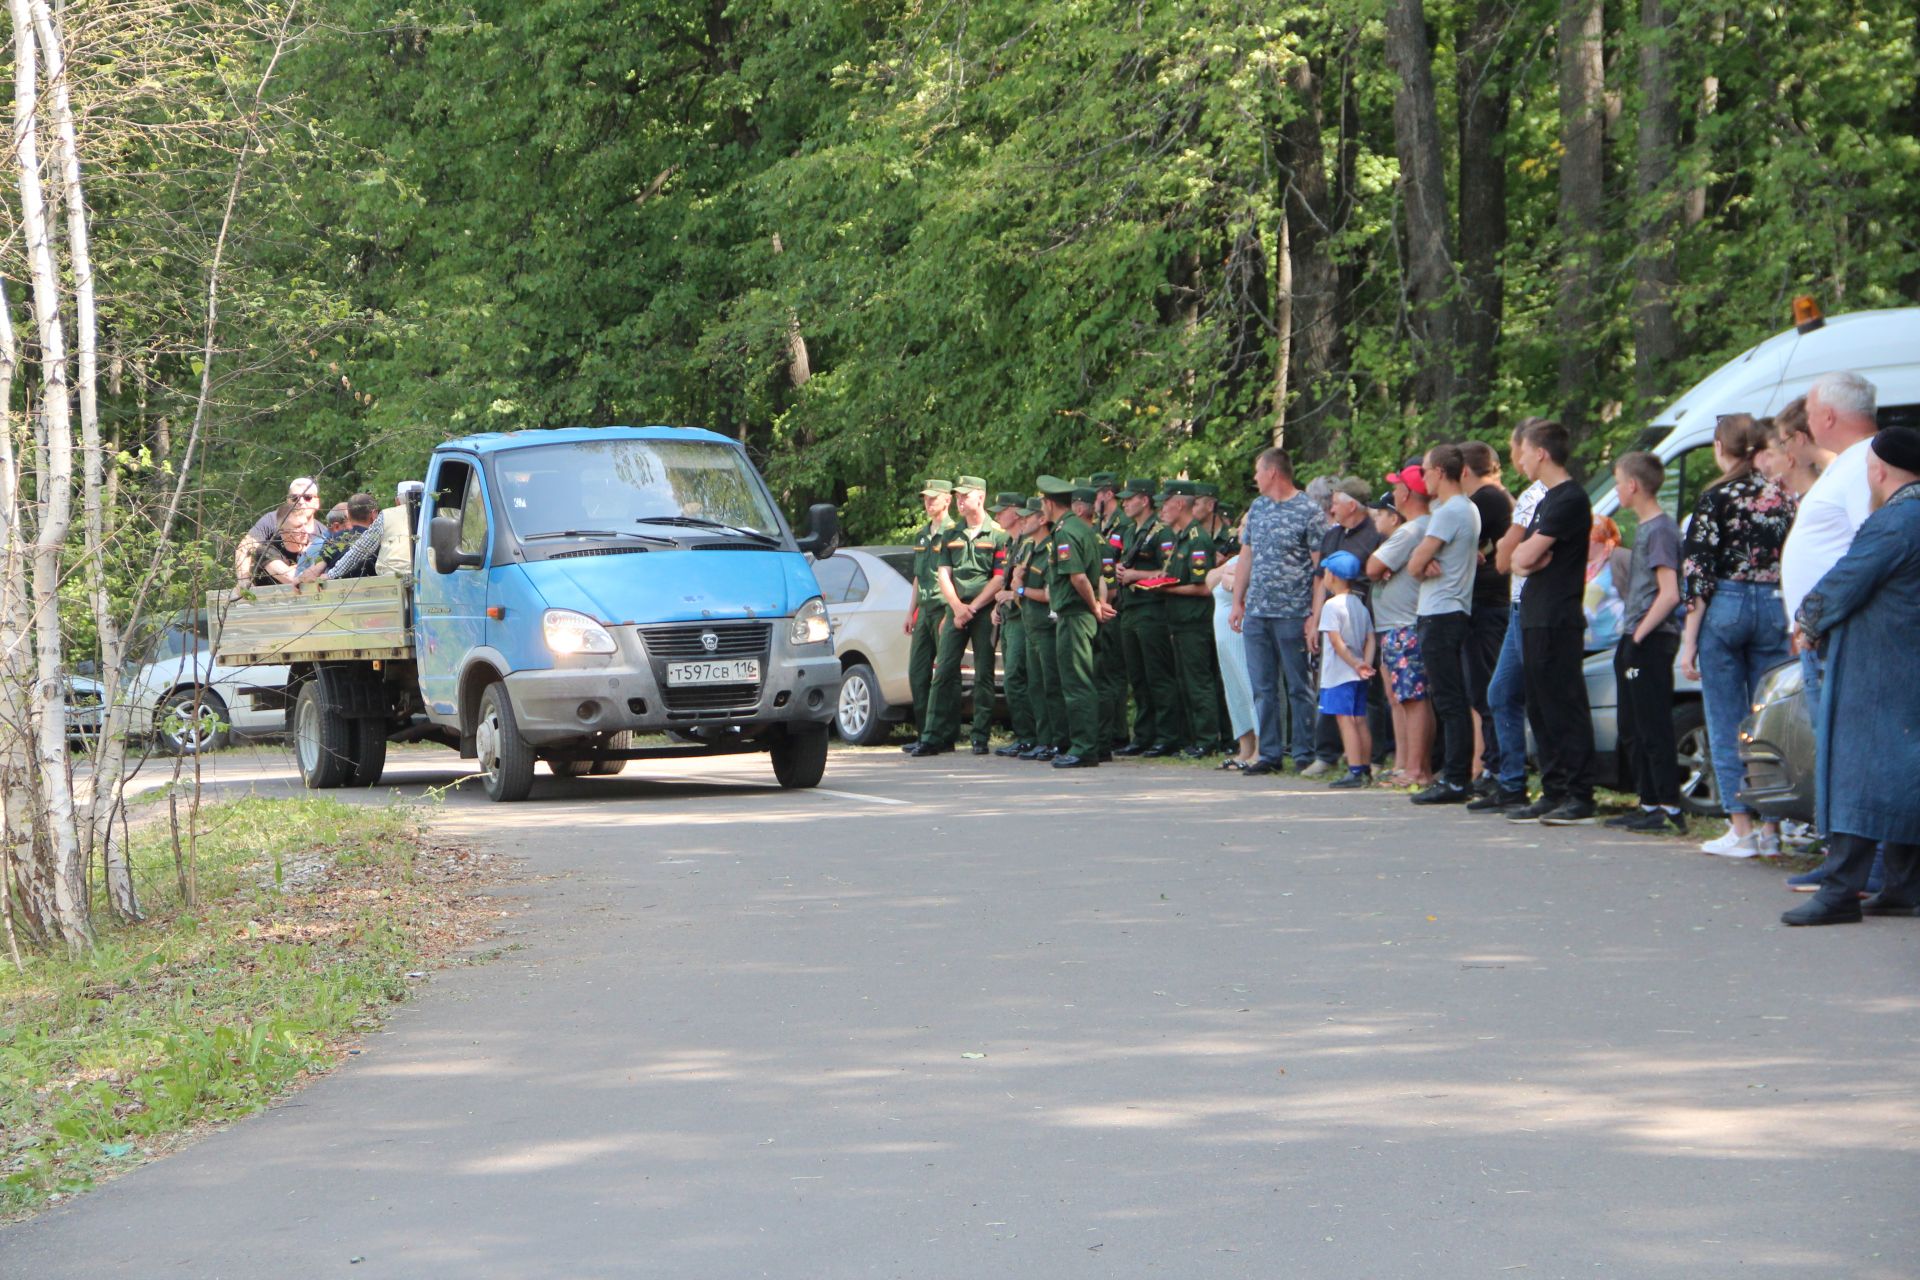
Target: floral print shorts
x=1400, y=660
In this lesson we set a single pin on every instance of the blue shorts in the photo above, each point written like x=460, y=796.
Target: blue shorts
x=1349, y=699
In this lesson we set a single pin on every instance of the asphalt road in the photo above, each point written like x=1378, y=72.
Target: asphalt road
x=962, y=1018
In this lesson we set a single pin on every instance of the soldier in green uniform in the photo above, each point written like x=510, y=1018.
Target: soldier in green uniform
x=972, y=564
x=1073, y=572
x=1211, y=516
x=1159, y=723
x=1043, y=665
x=1109, y=655
x=1009, y=511
x=929, y=606
x=1190, y=618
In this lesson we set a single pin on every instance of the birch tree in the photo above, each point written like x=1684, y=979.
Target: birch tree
x=56, y=844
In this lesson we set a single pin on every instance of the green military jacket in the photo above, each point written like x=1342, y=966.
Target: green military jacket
x=1147, y=549
x=973, y=557
x=1113, y=537
x=1076, y=549
x=1225, y=545
x=926, y=564
x=1033, y=555
x=1193, y=556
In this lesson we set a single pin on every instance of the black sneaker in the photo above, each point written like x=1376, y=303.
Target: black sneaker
x=980, y=748
x=1570, y=813
x=1014, y=749
x=1260, y=769
x=1131, y=749
x=1442, y=793
x=1354, y=780
x=1657, y=822
x=1533, y=812
x=1497, y=802
x=1486, y=785
x=1626, y=821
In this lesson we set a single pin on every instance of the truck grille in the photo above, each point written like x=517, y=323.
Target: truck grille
x=734, y=640
x=712, y=700
x=681, y=642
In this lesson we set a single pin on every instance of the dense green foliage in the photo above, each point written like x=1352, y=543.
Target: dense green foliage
x=1013, y=237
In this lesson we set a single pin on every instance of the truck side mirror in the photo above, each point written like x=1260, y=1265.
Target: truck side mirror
x=443, y=535
x=823, y=531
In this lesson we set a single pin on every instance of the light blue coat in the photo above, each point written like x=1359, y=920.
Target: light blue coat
x=1867, y=609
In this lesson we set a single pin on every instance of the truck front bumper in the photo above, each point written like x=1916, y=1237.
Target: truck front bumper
x=588, y=696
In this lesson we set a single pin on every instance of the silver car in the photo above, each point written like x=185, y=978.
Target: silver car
x=1777, y=747
x=1699, y=788
x=189, y=702
x=869, y=596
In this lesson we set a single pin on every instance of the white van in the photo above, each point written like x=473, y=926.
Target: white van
x=1881, y=346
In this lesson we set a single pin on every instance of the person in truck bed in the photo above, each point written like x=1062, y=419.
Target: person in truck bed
x=303, y=492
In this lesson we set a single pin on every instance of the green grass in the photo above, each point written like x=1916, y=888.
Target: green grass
x=310, y=917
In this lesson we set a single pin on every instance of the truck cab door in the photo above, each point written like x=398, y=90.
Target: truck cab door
x=450, y=609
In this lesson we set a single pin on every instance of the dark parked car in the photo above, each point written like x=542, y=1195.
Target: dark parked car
x=1776, y=747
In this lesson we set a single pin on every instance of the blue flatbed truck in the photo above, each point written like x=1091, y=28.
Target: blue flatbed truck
x=580, y=596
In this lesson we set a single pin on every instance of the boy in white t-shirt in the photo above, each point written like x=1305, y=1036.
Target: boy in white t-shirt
x=1346, y=664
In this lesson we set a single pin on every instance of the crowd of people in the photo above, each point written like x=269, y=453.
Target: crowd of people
x=293, y=544
x=1436, y=623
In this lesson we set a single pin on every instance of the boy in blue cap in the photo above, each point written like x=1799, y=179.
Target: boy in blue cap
x=1346, y=665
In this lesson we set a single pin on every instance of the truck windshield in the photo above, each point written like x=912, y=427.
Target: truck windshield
x=617, y=484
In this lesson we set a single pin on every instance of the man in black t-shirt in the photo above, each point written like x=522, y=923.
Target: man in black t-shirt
x=1487, y=631
x=1553, y=559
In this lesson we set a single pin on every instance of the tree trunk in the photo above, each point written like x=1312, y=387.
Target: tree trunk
x=1484, y=81
x=59, y=843
x=1318, y=358
x=1283, y=331
x=23, y=874
x=110, y=755
x=799, y=365
x=1656, y=338
x=1583, y=153
x=1696, y=205
x=1431, y=306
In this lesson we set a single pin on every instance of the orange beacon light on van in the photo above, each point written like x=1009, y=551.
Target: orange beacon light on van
x=1806, y=314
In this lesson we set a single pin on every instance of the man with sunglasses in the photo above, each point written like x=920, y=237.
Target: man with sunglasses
x=302, y=491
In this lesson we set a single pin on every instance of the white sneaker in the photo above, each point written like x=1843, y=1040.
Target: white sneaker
x=1732, y=845
x=1318, y=769
x=1766, y=843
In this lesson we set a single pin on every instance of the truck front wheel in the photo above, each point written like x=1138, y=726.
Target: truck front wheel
x=322, y=740
x=800, y=757
x=506, y=761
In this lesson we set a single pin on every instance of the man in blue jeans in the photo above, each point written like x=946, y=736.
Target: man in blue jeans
x=1272, y=601
x=1507, y=691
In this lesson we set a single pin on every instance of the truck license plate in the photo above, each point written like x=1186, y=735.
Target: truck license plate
x=732, y=671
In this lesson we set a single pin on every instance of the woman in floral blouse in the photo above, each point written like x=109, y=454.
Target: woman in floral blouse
x=1735, y=630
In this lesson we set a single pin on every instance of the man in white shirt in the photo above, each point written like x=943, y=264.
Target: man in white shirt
x=1840, y=414
x=1840, y=418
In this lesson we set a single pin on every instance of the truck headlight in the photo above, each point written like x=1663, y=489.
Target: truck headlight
x=810, y=624
x=569, y=633
x=1779, y=684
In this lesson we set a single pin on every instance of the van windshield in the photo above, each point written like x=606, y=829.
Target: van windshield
x=616, y=485
x=1600, y=483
